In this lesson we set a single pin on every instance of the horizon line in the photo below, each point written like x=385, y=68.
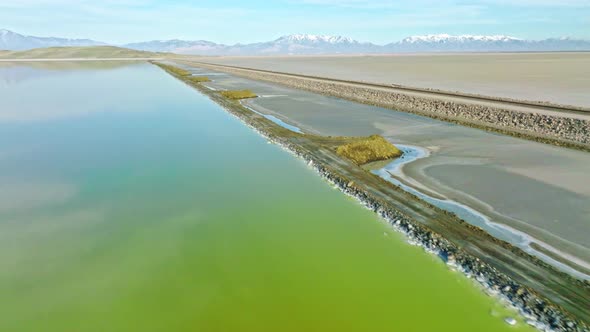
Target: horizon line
x=308, y=34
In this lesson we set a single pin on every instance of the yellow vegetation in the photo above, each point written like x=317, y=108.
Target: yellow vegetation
x=175, y=70
x=366, y=150
x=198, y=79
x=238, y=94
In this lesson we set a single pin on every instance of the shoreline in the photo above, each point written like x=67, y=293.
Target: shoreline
x=393, y=172
x=475, y=96
x=274, y=119
x=490, y=115
x=462, y=73
x=80, y=59
x=532, y=305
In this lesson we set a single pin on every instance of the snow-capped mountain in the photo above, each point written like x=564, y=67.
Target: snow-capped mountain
x=444, y=38
x=307, y=44
x=180, y=47
x=16, y=42
x=476, y=43
x=315, y=39
x=318, y=44
x=456, y=43
x=322, y=44
x=291, y=44
x=174, y=45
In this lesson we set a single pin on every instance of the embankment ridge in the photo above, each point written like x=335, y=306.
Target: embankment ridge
x=556, y=129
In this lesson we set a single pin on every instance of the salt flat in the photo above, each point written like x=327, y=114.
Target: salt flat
x=562, y=78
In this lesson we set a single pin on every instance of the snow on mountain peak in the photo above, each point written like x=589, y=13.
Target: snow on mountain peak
x=443, y=38
x=318, y=44
x=315, y=39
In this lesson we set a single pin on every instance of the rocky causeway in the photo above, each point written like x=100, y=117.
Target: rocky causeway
x=547, y=298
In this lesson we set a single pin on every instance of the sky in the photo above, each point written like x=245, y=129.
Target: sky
x=233, y=21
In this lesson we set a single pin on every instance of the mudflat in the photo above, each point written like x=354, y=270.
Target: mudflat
x=530, y=172
x=561, y=78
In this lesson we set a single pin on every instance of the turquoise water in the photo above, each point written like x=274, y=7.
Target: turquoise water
x=130, y=202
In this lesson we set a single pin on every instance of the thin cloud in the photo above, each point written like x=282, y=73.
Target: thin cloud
x=122, y=21
x=383, y=4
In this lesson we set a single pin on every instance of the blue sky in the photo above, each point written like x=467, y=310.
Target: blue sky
x=232, y=21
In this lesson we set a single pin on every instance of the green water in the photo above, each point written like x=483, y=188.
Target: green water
x=130, y=202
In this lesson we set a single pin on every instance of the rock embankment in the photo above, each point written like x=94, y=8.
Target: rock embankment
x=558, y=130
x=540, y=313
x=536, y=310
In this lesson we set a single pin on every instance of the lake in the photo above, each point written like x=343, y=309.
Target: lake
x=131, y=202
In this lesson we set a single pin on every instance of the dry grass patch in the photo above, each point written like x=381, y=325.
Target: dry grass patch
x=175, y=70
x=198, y=79
x=238, y=94
x=366, y=150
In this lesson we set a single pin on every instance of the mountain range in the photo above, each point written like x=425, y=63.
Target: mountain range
x=12, y=41
x=316, y=44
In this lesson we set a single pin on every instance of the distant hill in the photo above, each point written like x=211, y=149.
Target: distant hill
x=89, y=52
x=317, y=44
x=175, y=45
x=13, y=41
x=291, y=44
